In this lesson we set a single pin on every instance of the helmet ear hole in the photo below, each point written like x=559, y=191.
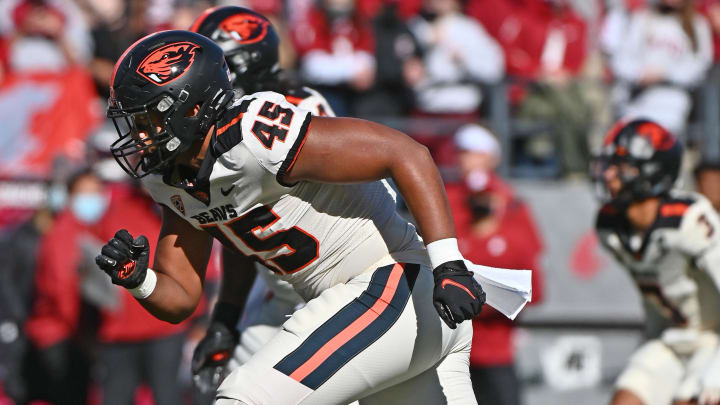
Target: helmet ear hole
x=193, y=112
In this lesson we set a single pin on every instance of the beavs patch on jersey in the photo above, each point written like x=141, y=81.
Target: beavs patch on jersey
x=168, y=62
x=245, y=28
x=177, y=202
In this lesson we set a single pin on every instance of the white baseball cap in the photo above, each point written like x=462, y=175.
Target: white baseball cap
x=476, y=138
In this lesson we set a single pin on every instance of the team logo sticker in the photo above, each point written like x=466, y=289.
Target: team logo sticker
x=245, y=28
x=168, y=62
x=177, y=202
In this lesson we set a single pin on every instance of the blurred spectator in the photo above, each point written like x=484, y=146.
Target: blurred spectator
x=184, y=12
x=615, y=24
x=665, y=53
x=53, y=326
x=707, y=181
x=46, y=35
x=711, y=10
x=494, y=228
x=542, y=39
x=115, y=25
x=396, y=50
x=545, y=45
x=457, y=55
x=18, y=247
x=336, y=48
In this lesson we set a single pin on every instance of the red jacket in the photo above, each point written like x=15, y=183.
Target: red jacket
x=515, y=244
x=57, y=305
x=523, y=26
x=316, y=33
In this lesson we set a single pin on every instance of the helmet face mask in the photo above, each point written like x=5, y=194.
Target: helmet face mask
x=639, y=160
x=146, y=142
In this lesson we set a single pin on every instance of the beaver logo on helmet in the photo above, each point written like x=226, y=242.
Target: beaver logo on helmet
x=245, y=28
x=168, y=62
x=658, y=136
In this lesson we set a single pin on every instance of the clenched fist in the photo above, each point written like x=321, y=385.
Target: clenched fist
x=125, y=259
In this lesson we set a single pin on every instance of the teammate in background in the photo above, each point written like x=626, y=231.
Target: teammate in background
x=251, y=49
x=307, y=201
x=669, y=241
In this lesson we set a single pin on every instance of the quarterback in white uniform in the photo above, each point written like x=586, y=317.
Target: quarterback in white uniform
x=384, y=320
x=669, y=241
x=252, y=55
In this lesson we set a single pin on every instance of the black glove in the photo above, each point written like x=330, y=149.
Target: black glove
x=125, y=259
x=457, y=296
x=214, y=351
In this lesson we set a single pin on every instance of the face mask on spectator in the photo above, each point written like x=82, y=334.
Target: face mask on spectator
x=89, y=207
x=477, y=180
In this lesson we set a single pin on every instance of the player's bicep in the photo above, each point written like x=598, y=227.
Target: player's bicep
x=349, y=150
x=182, y=252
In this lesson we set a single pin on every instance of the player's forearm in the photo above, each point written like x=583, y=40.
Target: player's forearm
x=346, y=150
x=418, y=179
x=169, y=301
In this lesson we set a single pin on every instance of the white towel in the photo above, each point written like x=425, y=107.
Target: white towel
x=505, y=290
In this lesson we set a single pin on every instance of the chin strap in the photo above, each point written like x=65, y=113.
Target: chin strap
x=212, y=110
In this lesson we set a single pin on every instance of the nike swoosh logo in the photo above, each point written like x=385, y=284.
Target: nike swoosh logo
x=456, y=284
x=226, y=192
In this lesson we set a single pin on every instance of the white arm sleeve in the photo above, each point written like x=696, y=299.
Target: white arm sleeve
x=628, y=62
x=692, y=67
x=481, y=55
x=321, y=67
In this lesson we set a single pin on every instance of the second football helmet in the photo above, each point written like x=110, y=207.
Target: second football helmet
x=248, y=40
x=166, y=92
x=644, y=159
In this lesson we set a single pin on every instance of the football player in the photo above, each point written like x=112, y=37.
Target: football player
x=384, y=320
x=251, y=48
x=669, y=241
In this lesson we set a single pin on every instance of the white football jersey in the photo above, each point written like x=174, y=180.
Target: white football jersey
x=676, y=263
x=314, y=235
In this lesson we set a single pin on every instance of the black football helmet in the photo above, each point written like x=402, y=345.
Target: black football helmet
x=249, y=42
x=166, y=92
x=647, y=158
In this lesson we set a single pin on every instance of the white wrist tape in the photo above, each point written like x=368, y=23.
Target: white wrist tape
x=442, y=251
x=147, y=287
